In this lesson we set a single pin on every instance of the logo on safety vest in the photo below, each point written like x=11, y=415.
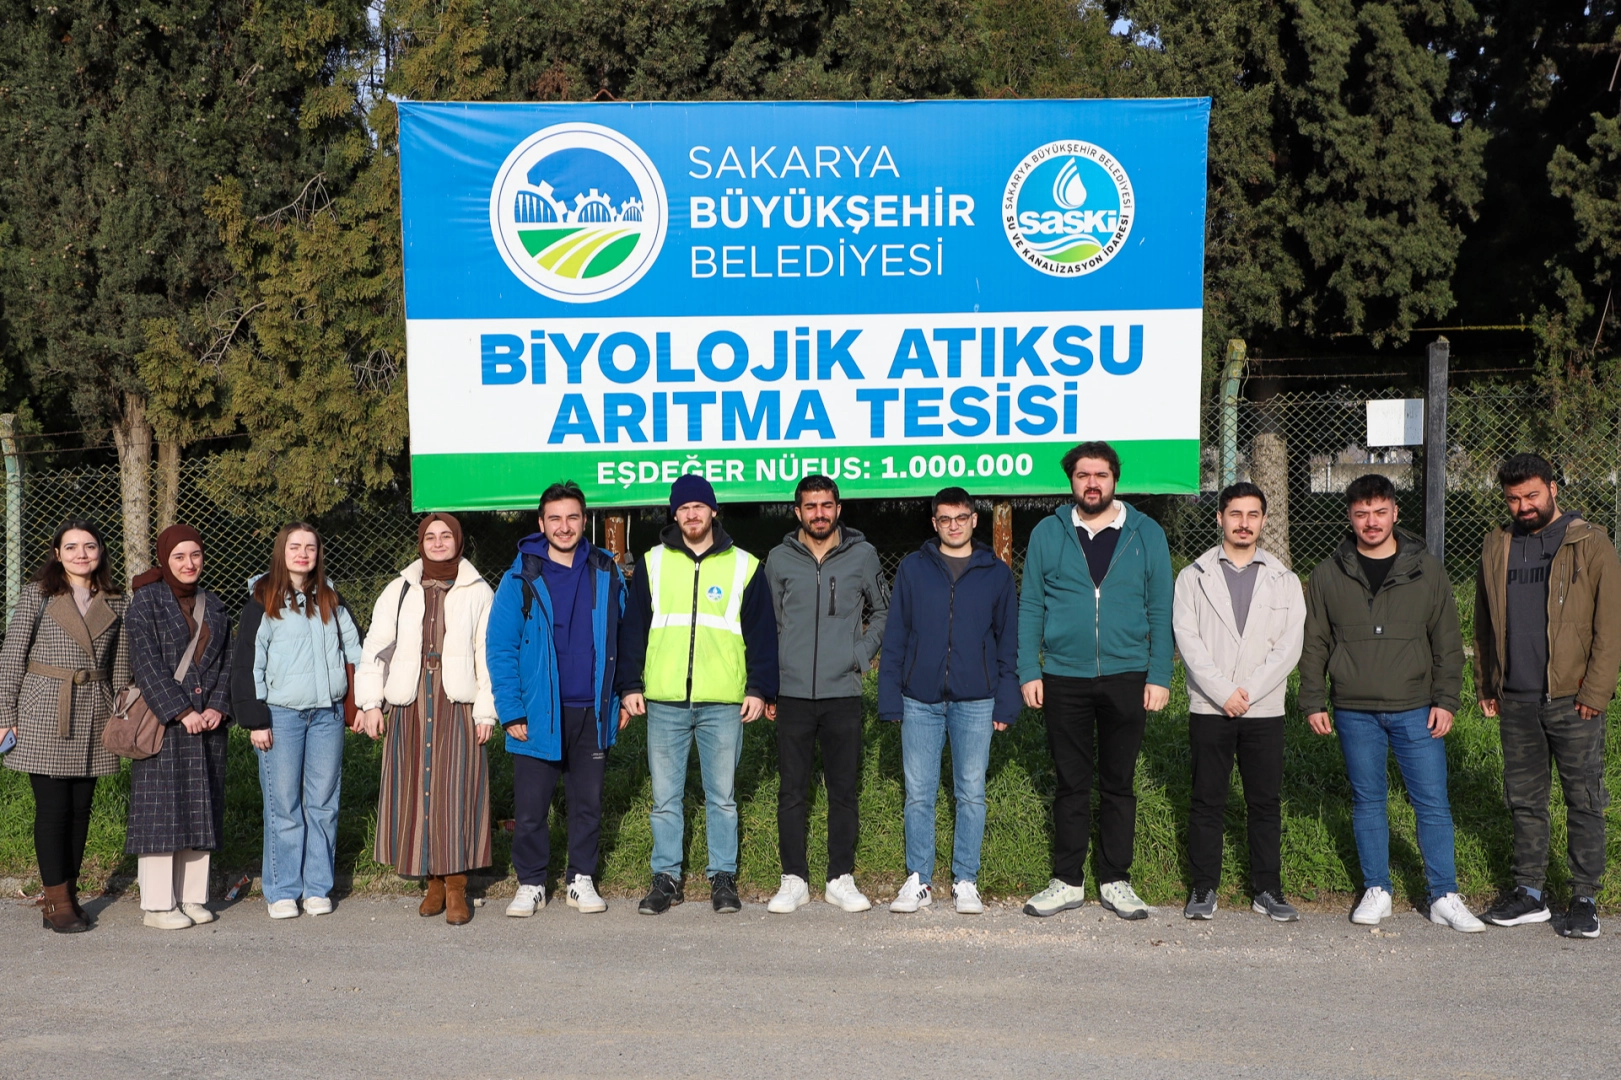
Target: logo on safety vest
x=714, y=594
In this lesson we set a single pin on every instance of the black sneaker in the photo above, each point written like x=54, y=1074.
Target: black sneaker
x=1582, y=918
x=1517, y=908
x=723, y=894
x=665, y=894
x=1200, y=905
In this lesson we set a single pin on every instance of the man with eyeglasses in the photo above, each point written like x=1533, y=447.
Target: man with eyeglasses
x=948, y=672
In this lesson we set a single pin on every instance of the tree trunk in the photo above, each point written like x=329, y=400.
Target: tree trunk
x=1269, y=466
x=169, y=481
x=132, y=435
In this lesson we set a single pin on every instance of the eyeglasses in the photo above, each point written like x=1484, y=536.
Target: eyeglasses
x=959, y=520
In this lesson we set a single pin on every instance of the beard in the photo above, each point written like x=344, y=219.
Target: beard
x=1094, y=504
x=819, y=529
x=1533, y=520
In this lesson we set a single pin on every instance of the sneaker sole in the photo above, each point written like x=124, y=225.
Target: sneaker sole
x=586, y=909
x=971, y=910
x=1031, y=909
x=1200, y=916
x=1478, y=928
x=519, y=914
x=1129, y=916
x=1579, y=933
x=1521, y=920
x=727, y=909
x=910, y=910
x=1259, y=910
x=797, y=904
x=864, y=905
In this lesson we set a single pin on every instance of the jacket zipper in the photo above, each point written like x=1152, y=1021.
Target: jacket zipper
x=1097, y=600
x=692, y=628
x=816, y=630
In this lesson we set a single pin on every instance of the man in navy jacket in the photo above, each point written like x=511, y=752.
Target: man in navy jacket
x=552, y=649
x=960, y=685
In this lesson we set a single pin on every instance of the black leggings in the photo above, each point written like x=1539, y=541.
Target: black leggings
x=61, y=825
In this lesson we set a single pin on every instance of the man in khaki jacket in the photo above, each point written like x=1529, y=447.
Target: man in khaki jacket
x=1547, y=648
x=1239, y=616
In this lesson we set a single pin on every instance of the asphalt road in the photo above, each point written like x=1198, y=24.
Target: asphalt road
x=375, y=990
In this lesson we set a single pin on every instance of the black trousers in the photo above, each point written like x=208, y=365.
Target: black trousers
x=534, y=781
x=61, y=825
x=1094, y=722
x=801, y=723
x=1257, y=741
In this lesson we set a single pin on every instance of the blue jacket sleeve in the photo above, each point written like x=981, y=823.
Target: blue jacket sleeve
x=893, y=654
x=759, y=637
x=638, y=615
x=1160, y=588
x=502, y=641
x=1005, y=626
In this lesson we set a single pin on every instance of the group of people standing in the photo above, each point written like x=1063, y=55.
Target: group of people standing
x=706, y=638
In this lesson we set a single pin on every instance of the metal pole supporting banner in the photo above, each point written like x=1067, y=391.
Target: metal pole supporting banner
x=1435, y=449
x=1231, y=380
x=14, y=513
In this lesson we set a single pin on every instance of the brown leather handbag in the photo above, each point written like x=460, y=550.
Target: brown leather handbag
x=134, y=731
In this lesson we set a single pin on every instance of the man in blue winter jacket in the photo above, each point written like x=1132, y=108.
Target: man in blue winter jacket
x=552, y=648
x=957, y=685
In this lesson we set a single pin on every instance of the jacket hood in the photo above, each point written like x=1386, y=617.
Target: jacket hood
x=670, y=536
x=1410, y=552
x=980, y=554
x=848, y=538
x=533, y=547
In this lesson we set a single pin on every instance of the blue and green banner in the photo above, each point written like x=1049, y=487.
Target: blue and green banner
x=901, y=296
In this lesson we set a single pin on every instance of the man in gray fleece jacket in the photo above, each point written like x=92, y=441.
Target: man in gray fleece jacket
x=831, y=601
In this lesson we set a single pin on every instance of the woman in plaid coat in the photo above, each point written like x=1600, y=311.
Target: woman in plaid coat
x=177, y=796
x=64, y=654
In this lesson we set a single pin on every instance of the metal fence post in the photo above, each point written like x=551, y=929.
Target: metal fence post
x=1435, y=450
x=1002, y=531
x=1231, y=380
x=14, y=513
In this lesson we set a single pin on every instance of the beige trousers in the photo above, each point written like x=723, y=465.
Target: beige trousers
x=172, y=876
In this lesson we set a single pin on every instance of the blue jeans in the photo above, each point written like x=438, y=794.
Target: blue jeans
x=924, y=731
x=1367, y=739
x=299, y=776
x=671, y=730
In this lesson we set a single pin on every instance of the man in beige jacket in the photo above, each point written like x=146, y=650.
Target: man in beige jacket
x=1239, y=616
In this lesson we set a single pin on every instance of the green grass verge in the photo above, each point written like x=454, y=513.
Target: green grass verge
x=1319, y=854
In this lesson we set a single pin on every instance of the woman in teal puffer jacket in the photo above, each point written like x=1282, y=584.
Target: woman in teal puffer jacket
x=288, y=683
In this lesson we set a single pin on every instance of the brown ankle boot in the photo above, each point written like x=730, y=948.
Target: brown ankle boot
x=59, y=913
x=433, y=901
x=457, y=911
x=73, y=898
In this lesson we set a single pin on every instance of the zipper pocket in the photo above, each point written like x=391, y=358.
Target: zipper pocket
x=832, y=595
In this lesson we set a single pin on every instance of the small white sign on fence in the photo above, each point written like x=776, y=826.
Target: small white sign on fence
x=1396, y=422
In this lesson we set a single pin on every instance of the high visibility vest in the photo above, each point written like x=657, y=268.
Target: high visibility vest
x=695, y=643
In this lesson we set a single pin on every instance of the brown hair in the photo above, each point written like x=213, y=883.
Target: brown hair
x=52, y=576
x=275, y=590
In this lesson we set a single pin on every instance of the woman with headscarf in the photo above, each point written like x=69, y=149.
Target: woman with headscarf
x=423, y=661
x=177, y=796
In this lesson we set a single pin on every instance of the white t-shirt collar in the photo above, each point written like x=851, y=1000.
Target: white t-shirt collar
x=1119, y=521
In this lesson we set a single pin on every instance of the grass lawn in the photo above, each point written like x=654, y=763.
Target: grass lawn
x=1319, y=855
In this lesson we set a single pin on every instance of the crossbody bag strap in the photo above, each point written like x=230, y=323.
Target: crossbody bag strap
x=199, y=612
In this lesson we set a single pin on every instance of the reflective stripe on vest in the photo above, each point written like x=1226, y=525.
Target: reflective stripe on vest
x=704, y=645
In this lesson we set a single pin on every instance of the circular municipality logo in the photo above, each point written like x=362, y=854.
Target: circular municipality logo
x=714, y=594
x=578, y=212
x=1067, y=208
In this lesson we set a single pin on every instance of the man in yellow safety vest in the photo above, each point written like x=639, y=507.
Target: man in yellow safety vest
x=698, y=657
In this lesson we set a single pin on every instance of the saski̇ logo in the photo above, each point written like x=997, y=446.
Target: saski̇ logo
x=1068, y=208
x=578, y=212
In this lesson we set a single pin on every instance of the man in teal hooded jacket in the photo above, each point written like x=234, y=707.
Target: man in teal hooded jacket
x=1095, y=646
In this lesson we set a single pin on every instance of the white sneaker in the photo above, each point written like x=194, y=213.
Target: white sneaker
x=966, y=895
x=173, y=919
x=528, y=898
x=842, y=893
x=1056, y=897
x=284, y=909
x=1449, y=911
x=913, y=895
x=792, y=895
x=1375, y=906
x=197, y=913
x=317, y=905
x=583, y=897
x=1120, y=898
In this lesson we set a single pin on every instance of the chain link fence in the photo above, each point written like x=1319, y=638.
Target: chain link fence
x=1301, y=447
